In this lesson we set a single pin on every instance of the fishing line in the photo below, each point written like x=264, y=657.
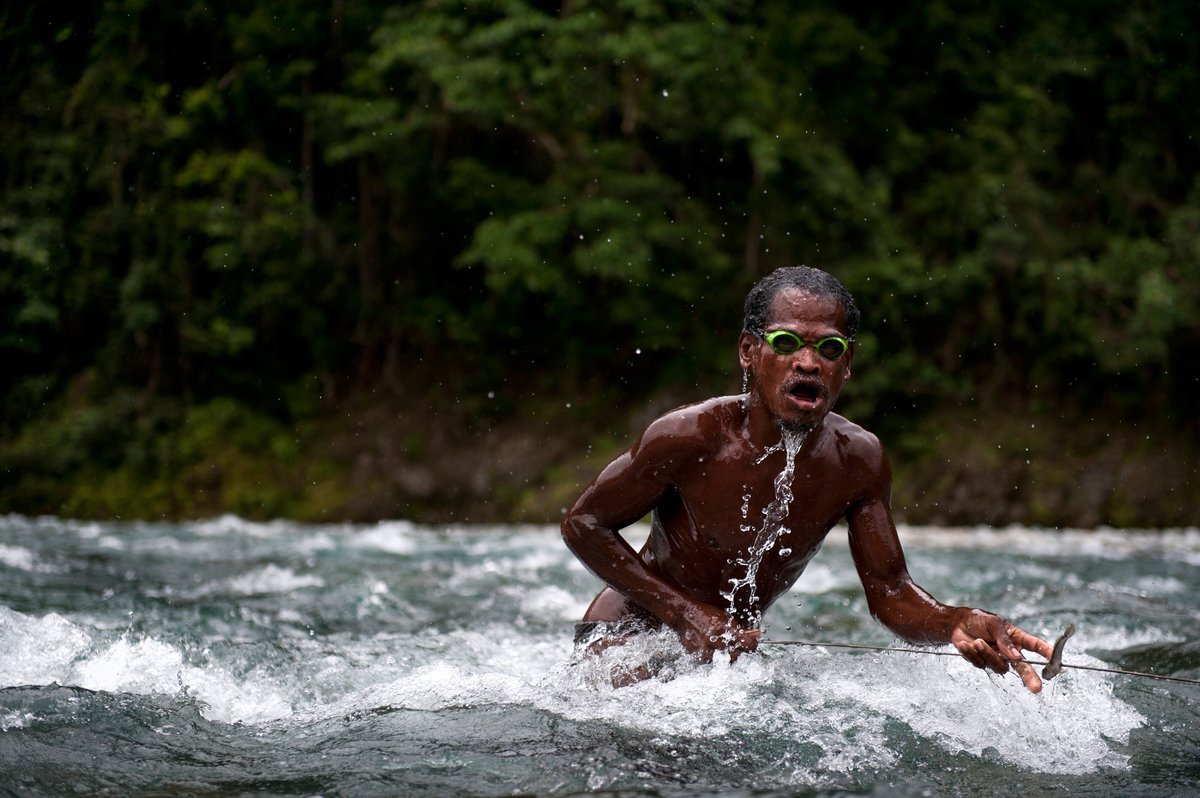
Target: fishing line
x=1142, y=674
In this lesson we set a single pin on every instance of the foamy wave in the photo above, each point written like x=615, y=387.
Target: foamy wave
x=270, y=579
x=1103, y=543
x=18, y=557
x=52, y=650
x=150, y=666
x=829, y=713
x=37, y=650
x=15, y=720
x=847, y=706
x=393, y=537
x=547, y=601
x=1066, y=729
x=230, y=525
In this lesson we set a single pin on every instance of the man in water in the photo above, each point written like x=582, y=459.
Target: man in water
x=743, y=490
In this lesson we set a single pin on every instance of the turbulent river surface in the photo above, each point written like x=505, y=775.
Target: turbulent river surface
x=233, y=658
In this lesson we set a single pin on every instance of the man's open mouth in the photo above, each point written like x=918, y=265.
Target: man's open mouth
x=807, y=393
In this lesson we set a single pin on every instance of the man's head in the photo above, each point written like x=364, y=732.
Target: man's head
x=806, y=280
x=797, y=344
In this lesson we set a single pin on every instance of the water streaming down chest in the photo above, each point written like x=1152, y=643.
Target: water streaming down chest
x=768, y=534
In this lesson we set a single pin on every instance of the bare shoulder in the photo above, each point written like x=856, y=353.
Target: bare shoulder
x=860, y=452
x=690, y=431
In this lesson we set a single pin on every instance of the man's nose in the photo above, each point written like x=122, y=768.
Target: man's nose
x=807, y=360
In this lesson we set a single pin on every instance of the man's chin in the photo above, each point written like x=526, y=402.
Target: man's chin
x=796, y=424
x=798, y=420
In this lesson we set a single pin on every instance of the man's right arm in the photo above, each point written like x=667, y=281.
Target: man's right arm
x=625, y=491
x=983, y=638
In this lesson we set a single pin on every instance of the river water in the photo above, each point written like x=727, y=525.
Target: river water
x=233, y=658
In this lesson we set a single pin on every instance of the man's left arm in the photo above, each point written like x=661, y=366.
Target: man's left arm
x=984, y=639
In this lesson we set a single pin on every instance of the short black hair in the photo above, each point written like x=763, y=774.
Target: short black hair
x=803, y=278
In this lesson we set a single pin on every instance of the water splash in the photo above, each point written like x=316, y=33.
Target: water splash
x=773, y=527
x=441, y=665
x=744, y=526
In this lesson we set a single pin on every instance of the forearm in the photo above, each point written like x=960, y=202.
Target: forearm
x=606, y=554
x=914, y=615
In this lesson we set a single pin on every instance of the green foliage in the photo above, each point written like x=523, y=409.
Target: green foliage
x=212, y=206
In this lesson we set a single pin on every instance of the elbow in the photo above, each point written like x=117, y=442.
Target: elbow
x=886, y=605
x=881, y=611
x=582, y=533
x=572, y=528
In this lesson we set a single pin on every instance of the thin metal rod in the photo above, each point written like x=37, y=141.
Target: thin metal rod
x=1180, y=679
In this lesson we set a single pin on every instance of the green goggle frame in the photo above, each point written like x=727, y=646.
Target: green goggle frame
x=785, y=342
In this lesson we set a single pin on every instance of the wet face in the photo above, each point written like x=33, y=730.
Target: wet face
x=798, y=389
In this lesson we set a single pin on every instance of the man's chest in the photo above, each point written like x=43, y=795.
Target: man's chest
x=730, y=502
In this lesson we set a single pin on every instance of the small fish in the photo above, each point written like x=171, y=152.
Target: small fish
x=1055, y=665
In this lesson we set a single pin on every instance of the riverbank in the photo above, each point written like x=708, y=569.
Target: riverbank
x=490, y=459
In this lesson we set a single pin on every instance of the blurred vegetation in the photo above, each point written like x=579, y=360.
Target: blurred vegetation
x=430, y=259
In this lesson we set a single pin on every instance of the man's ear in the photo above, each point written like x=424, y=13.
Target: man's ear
x=746, y=343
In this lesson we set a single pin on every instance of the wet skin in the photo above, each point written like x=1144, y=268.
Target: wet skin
x=691, y=469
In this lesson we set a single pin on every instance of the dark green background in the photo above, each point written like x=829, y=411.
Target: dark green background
x=441, y=260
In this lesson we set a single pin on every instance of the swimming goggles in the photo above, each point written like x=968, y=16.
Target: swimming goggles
x=788, y=343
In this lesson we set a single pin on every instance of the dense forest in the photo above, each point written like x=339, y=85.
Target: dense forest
x=440, y=260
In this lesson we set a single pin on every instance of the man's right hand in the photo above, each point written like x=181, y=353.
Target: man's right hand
x=988, y=641
x=703, y=630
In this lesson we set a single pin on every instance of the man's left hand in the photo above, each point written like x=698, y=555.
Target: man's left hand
x=988, y=641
